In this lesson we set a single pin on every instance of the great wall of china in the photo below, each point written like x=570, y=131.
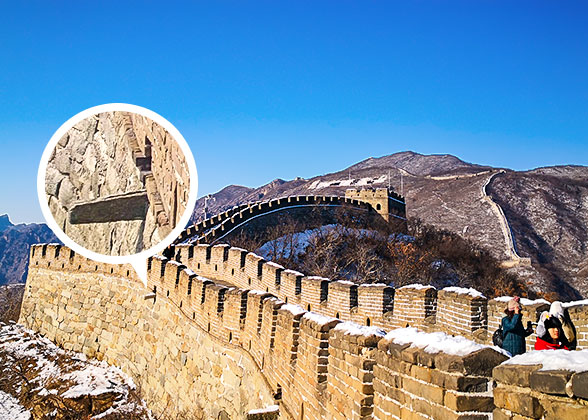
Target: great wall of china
x=215, y=228
x=225, y=332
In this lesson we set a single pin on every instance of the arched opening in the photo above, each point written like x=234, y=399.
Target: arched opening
x=378, y=206
x=368, y=322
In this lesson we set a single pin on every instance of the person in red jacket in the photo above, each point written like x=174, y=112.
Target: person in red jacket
x=553, y=337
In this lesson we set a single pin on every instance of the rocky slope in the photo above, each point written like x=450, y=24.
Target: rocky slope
x=546, y=209
x=43, y=381
x=15, y=241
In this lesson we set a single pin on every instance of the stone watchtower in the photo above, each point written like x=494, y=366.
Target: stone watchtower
x=386, y=202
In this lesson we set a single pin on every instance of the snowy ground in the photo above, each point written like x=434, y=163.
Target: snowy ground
x=39, y=377
x=10, y=408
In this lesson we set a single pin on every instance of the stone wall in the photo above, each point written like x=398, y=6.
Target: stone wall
x=526, y=392
x=384, y=201
x=188, y=340
x=213, y=229
x=102, y=311
x=411, y=383
x=452, y=310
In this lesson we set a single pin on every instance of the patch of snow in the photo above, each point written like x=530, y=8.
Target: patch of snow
x=94, y=380
x=437, y=342
x=275, y=265
x=87, y=377
x=293, y=272
x=318, y=318
x=10, y=408
x=318, y=184
x=416, y=286
x=173, y=262
x=317, y=278
x=574, y=361
x=254, y=255
x=345, y=282
x=258, y=292
x=294, y=309
x=239, y=249
x=464, y=291
x=373, y=285
x=575, y=303
x=270, y=409
x=524, y=301
x=189, y=272
x=351, y=328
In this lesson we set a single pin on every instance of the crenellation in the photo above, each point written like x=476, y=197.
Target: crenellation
x=312, y=294
x=415, y=306
x=313, y=364
x=461, y=312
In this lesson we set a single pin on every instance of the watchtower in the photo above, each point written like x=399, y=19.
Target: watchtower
x=383, y=201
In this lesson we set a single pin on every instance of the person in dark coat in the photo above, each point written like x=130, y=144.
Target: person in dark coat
x=553, y=337
x=513, y=332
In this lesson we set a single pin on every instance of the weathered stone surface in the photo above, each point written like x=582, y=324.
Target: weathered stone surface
x=563, y=408
x=107, y=156
x=519, y=375
x=550, y=382
x=193, y=344
x=518, y=402
x=580, y=385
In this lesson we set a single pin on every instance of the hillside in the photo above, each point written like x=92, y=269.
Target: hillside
x=15, y=241
x=546, y=209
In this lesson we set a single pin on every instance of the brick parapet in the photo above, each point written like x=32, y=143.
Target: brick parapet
x=300, y=355
x=529, y=392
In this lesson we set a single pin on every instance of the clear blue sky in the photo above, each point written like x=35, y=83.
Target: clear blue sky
x=263, y=90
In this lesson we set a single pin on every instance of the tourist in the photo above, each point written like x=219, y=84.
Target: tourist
x=513, y=332
x=569, y=330
x=553, y=337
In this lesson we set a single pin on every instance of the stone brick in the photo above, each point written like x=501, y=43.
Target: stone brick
x=550, y=382
x=499, y=414
x=518, y=402
x=580, y=385
x=564, y=409
x=519, y=375
x=465, y=402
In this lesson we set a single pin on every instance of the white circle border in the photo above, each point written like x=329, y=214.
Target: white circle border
x=121, y=259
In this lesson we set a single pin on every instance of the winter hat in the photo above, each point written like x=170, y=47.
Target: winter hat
x=552, y=322
x=513, y=303
x=557, y=309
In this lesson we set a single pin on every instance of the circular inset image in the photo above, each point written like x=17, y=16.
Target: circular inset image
x=118, y=181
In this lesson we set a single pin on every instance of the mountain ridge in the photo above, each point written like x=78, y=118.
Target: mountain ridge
x=446, y=192
x=546, y=210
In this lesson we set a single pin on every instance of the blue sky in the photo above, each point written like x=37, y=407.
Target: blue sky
x=262, y=90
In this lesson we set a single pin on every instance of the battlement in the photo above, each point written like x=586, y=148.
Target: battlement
x=61, y=258
x=452, y=310
x=316, y=364
x=214, y=228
